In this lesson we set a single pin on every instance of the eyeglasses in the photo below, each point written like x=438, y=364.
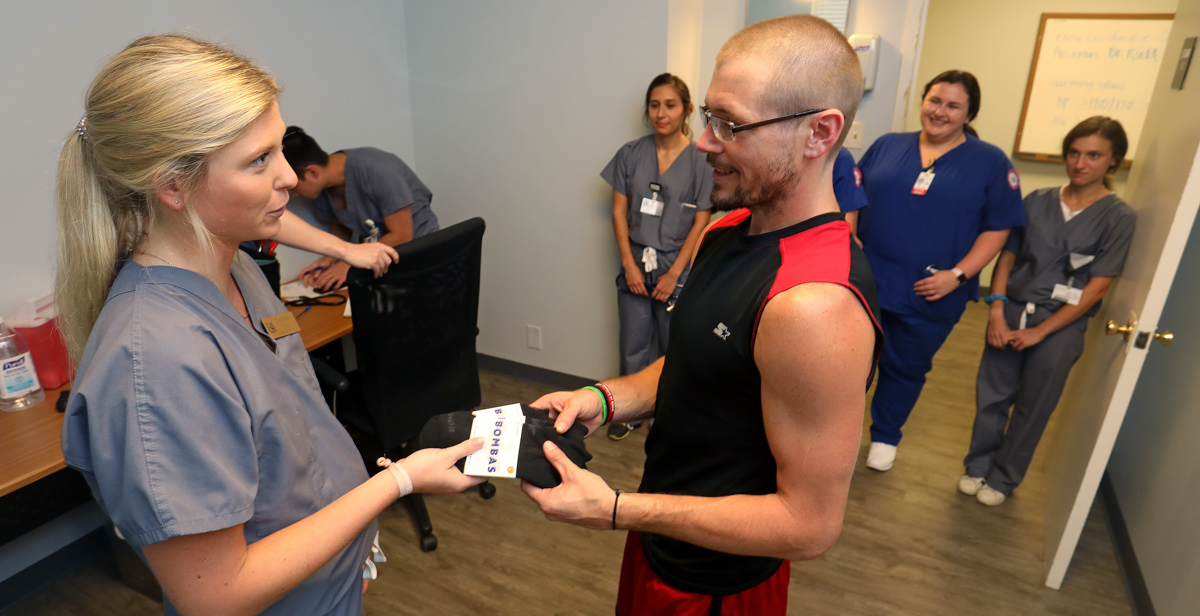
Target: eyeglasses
x=724, y=130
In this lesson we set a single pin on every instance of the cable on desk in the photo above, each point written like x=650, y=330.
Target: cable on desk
x=324, y=300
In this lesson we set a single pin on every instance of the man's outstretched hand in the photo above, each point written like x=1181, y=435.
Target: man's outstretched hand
x=582, y=499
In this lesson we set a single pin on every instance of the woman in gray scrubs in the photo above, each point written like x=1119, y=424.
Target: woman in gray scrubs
x=195, y=416
x=1050, y=278
x=362, y=194
x=661, y=184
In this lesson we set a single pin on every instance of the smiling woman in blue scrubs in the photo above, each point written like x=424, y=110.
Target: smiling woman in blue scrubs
x=942, y=203
x=195, y=416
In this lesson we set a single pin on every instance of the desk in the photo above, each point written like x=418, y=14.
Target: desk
x=31, y=439
x=322, y=324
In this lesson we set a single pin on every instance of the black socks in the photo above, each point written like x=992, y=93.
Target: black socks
x=450, y=429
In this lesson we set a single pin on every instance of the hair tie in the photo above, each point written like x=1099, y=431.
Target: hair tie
x=79, y=128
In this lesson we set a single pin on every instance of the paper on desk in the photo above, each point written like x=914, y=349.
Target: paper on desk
x=501, y=429
x=296, y=290
x=346, y=312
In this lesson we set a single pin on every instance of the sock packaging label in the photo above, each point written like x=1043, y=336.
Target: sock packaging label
x=500, y=428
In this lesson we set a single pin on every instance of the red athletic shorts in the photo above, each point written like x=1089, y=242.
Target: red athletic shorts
x=643, y=593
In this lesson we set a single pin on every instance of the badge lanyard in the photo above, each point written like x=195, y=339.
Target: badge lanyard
x=924, y=181
x=652, y=206
x=373, y=232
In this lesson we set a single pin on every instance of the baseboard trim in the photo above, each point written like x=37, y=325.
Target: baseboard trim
x=85, y=550
x=533, y=374
x=1131, y=572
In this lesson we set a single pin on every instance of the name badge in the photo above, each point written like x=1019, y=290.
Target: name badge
x=651, y=207
x=924, y=180
x=500, y=428
x=280, y=325
x=1067, y=295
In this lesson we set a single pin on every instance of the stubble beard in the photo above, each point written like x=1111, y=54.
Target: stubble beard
x=778, y=184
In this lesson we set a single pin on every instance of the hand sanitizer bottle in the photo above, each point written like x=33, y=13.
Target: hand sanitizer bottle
x=19, y=386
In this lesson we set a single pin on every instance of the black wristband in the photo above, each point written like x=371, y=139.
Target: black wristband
x=616, y=500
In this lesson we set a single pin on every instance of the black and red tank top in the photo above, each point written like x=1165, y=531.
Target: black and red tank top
x=708, y=437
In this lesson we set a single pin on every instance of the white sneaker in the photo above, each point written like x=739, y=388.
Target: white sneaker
x=990, y=497
x=881, y=456
x=970, y=485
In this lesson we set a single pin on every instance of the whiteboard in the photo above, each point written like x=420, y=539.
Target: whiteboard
x=1086, y=65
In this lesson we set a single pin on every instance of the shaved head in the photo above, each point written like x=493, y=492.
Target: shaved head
x=813, y=65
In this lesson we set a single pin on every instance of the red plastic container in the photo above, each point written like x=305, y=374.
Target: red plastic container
x=49, y=354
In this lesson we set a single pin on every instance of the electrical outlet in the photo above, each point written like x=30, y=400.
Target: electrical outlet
x=533, y=337
x=854, y=139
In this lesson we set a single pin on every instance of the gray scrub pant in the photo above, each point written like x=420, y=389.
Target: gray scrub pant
x=1030, y=382
x=645, y=323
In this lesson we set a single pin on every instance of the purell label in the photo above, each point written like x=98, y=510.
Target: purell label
x=17, y=377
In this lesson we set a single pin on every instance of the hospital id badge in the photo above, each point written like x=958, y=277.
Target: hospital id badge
x=1067, y=295
x=500, y=428
x=923, y=182
x=651, y=207
x=280, y=325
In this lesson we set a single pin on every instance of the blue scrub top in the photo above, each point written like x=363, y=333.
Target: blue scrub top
x=975, y=189
x=378, y=184
x=184, y=420
x=847, y=183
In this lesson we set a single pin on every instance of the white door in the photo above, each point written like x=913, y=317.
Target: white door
x=1164, y=188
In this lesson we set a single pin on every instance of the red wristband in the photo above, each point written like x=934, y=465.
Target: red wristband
x=612, y=403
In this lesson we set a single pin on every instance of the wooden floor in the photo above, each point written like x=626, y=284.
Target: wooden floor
x=911, y=543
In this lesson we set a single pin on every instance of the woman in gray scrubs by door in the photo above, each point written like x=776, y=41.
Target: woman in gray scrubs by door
x=195, y=416
x=1051, y=277
x=661, y=184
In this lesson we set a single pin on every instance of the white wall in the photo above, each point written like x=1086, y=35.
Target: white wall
x=343, y=67
x=887, y=19
x=518, y=109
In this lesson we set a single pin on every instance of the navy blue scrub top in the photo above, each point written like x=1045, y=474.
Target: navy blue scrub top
x=686, y=186
x=183, y=420
x=847, y=183
x=975, y=189
x=378, y=184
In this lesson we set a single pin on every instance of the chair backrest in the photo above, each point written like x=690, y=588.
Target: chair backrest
x=415, y=330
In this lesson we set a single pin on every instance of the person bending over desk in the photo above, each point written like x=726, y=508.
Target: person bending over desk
x=362, y=192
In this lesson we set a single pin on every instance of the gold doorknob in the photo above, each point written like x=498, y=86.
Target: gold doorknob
x=1112, y=328
x=1164, y=336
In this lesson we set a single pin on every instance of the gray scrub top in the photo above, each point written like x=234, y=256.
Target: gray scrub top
x=685, y=190
x=184, y=421
x=1045, y=245
x=378, y=184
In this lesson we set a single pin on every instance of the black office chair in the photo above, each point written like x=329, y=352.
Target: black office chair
x=414, y=331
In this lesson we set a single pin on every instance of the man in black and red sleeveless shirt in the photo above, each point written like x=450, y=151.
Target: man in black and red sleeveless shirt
x=759, y=400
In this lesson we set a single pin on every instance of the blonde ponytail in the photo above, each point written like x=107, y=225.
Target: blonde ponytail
x=155, y=114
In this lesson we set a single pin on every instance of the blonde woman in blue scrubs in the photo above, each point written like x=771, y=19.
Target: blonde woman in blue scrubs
x=661, y=186
x=200, y=430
